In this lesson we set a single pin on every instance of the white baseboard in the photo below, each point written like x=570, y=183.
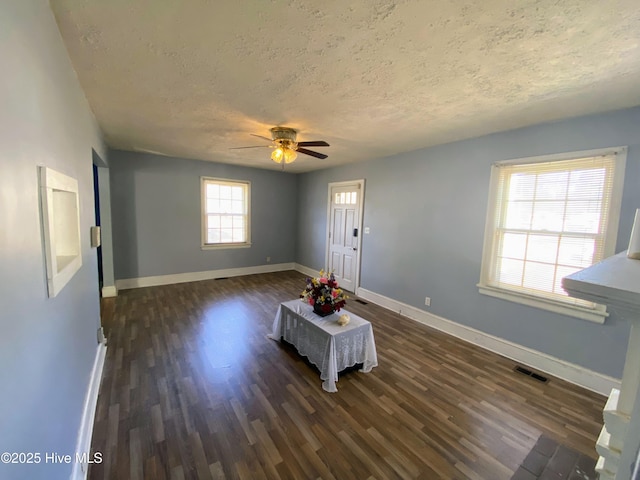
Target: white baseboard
x=594, y=381
x=83, y=446
x=310, y=272
x=109, y=291
x=197, y=276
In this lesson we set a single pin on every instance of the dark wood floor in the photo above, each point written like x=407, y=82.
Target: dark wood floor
x=193, y=389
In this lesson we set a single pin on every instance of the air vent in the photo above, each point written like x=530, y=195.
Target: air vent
x=529, y=373
x=522, y=370
x=539, y=377
x=222, y=278
x=362, y=301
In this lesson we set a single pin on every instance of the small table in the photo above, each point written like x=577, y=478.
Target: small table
x=324, y=342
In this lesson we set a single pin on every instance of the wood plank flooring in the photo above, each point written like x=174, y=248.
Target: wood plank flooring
x=193, y=389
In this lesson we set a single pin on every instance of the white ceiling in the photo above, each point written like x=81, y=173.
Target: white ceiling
x=193, y=78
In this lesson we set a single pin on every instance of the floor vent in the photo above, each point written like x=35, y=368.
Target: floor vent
x=539, y=377
x=529, y=373
x=362, y=301
x=222, y=278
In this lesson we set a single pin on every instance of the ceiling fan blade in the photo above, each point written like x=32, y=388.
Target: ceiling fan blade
x=317, y=143
x=312, y=153
x=254, y=146
x=260, y=136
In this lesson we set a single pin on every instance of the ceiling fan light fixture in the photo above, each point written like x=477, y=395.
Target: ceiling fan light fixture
x=289, y=155
x=277, y=155
x=283, y=154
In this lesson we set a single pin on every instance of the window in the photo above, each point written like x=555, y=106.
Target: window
x=225, y=213
x=549, y=217
x=346, y=198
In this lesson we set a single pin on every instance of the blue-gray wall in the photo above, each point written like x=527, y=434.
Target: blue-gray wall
x=427, y=210
x=157, y=221
x=47, y=346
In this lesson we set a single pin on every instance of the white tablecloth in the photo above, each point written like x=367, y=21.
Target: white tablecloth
x=324, y=342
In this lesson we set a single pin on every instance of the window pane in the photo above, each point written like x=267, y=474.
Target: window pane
x=236, y=206
x=238, y=235
x=226, y=235
x=213, y=221
x=237, y=193
x=213, y=205
x=514, y=245
x=510, y=271
x=226, y=221
x=238, y=221
x=542, y=248
x=213, y=190
x=548, y=216
x=576, y=252
x=552, y=186
x=587, y=184
x=583, y=216
x=522, y=186
x=354, y=197
x=213, y=235
x=519, y=215
x=225, y=191
x=225, y=206
x=538, y=276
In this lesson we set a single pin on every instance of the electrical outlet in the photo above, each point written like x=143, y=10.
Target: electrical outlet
x=427, y=301
x=268, y=259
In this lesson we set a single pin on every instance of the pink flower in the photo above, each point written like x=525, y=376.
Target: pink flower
x=324, y=280
x=311, y=301
x=334, y=293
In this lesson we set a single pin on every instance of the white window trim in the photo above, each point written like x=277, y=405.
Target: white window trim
x=203, y=214
x=599, y=313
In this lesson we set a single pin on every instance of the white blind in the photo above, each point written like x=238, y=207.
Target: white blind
x=551, y=220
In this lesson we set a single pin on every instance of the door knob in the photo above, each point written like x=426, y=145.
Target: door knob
x=353, y=248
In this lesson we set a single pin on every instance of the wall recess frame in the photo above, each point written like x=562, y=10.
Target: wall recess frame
x=60, y=227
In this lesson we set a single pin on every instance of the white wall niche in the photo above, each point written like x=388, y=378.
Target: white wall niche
x=61, y=228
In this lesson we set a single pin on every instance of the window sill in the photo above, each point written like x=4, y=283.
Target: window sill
x=596, y=316
x=223, y=246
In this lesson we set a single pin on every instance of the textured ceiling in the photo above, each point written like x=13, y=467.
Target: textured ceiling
x=373, y=78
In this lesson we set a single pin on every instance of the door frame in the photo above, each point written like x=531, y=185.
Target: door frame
x=361, y=183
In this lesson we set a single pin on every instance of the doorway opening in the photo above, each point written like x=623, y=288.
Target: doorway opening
x=96, y=203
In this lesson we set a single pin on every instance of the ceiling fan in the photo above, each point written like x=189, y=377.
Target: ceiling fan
x=285, y=147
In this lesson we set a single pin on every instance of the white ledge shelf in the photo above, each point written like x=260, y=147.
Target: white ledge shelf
x=615, y=281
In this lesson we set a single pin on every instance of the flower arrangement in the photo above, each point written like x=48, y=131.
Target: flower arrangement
x=324, y=294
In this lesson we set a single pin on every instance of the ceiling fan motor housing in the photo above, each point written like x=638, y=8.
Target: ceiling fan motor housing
x=284, y=136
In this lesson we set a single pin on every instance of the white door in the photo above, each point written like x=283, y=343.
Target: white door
x=344, y=223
